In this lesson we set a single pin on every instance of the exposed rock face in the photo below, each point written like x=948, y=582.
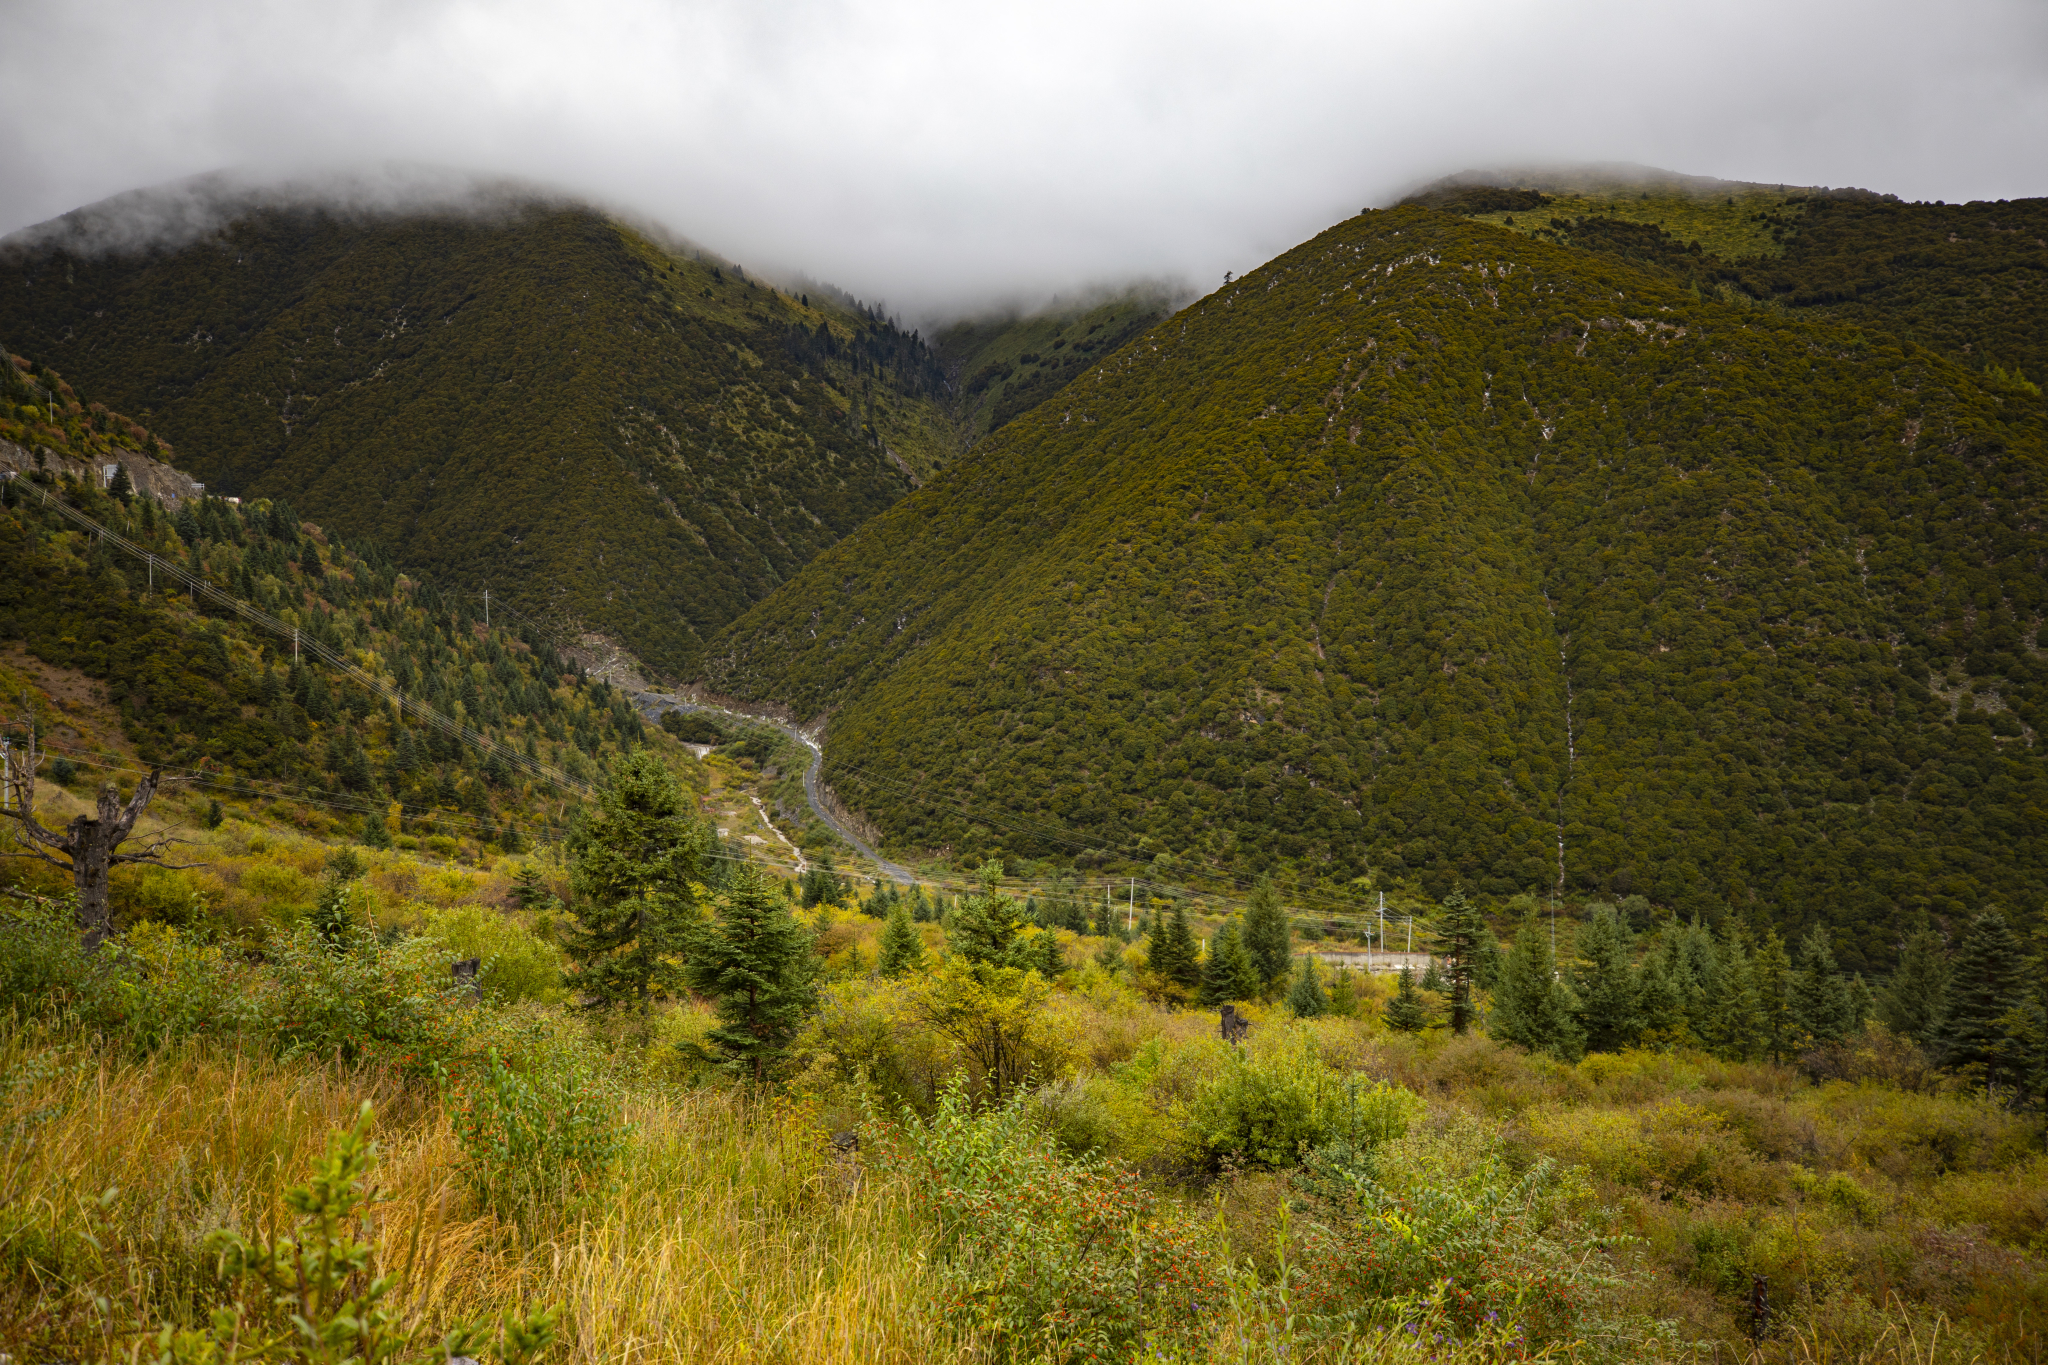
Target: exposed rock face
x=167, y=485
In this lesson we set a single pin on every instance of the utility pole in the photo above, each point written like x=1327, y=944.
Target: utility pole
x=487, y=608
x=1131, y=910
x=295, y=644
x=6, y=772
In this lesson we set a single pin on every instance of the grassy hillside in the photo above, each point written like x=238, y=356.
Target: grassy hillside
x=1430, y=553
x=209, y=695
x=1002, y=367
x=631, y=439
x=1969, y=280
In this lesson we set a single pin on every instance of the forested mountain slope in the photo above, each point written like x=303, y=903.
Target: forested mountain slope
x=1003, y=366
x=1970, y=280
x=631, y=438
x=199, y=689
x=1433, y=552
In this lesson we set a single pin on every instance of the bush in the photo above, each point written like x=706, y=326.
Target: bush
x=1041, y=1256
x=517, y=963
x=1273, y=1106
x=537, y=1139
x=357, y=1000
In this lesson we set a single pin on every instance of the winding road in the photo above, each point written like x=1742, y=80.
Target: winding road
x=653, y=705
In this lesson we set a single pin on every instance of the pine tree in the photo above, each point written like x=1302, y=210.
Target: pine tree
x=1912, y=1002
x=902, y=945
x=1266, y=936
x=530, y=889
x=1405, y=1012
x=983, y=927
x=374, y=833
x=1533, y=1006
x=1660, y=1001
x=1050, y=961
x=1343, y=993
x=1463, y=931
x=1987, y=986
x=1228, y=973
x=1170, y=954
x=635, y=855
x=1606, y=978
x=1305, y=998
x=757, y=963
x=1820, y=1000
x=1734, y=1026
x=1774, y=996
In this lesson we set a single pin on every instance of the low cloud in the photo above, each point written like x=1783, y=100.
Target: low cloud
x=943, y=157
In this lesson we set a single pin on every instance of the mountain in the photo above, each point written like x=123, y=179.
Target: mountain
x=627, y=436
x=1970, y=280
x=1435, y=553
x=202, y=691
x=1002, y=366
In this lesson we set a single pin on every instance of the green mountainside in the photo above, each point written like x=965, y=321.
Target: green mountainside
x=1003, y=366
x=620, y=436
x=1970, y=280
x=1431, y=553
x=200, y=689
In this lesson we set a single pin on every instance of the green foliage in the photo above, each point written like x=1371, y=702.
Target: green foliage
x=1820, y=998
x=1227, y=972
x=1534, y=1005
x=1273, y=1102
x=1173, y=955
x=756, y=962
x=1266, y=935
x=1339, y=613
x=902, y=947
x=820, y=885
x=1007, y=366
x=984, y=926
x=320, y=1304
x=692, y=727
x=1042, y=1256
x=1305, y=998
x=1987, y=987
x=1406, y=1012
x=516, y=964
x=542, y=398
x=1606, y=983
x=638, y=859
x=1913, y=1001
x=1462, y=931
x=540, y=1139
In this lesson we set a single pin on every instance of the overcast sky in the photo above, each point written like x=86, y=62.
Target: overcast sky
x=943, y=155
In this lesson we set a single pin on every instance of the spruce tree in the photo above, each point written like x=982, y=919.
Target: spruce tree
x=983, y=927
x=1735, y=1008
x=1305, y=998
x=757, y=963
x=1343, y=993
x=1049, y=960
x=1463, y=931
x=902, y=945
x=1774, y=996
x=1533, y=1006
x=1228, y=973
x=1405, y=1012
x=1266, y=936
x=1821, y=1008
x=1171, y=953
x=1660, y=1001
x=1606, y=980
x=1988, y=986
x=634, y=856
x=1912, y=1002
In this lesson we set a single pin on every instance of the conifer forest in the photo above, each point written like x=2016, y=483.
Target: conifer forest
x=1474, y=794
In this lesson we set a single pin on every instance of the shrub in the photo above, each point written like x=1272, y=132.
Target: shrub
x=538, y=1139
x=358, y=999
x=1271, y=1106
x=517, y=963
x=1039, y=1255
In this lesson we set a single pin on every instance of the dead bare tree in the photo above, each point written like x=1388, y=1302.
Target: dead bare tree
x=90, y=845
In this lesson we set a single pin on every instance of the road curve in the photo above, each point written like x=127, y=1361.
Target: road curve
x=653, y=704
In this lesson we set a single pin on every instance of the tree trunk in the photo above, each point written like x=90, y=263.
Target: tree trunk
x=92, y=852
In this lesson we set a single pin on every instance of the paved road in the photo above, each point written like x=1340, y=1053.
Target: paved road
x=653, y=704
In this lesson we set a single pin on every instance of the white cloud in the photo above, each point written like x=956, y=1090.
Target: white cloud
x=937, y=155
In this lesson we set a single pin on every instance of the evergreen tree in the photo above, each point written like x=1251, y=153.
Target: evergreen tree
x=1266, y=936
x=1988, y=986
x=374, y=833
x=902, y=945
x=635, y=854
x=983, y=927
x=1171, y=953
x=1343, y=993
x=1533, y=1006
x=1050, y=961
x=1433, y=975
x=1912, y=1002
x=1696, y=964
x=1228, y=973
x=530, y=889
x=757, y=963
x=1463, y=931
x=1774, y=996
x=1606, y=979
x=1405, y=1012
x=1660, y=1001
x=1821, y=1009
x=1734, y=1026
x=1305, y=998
